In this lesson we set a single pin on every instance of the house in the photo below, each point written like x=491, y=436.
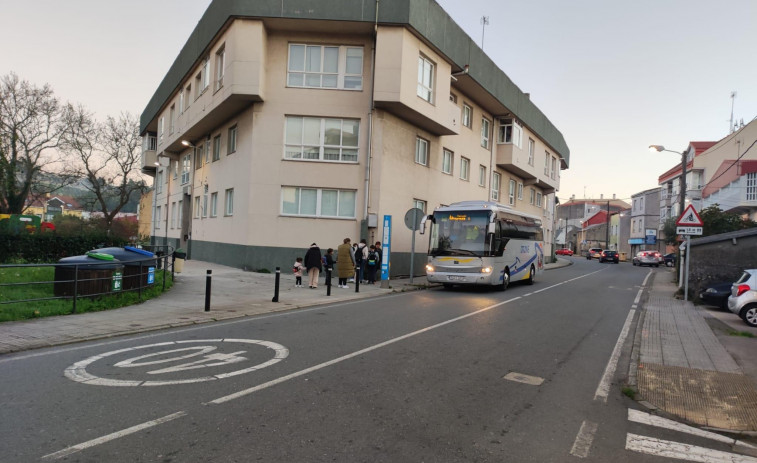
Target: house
x=574, y=214
x=645, y=221
x=279, y=127
x=49, y=206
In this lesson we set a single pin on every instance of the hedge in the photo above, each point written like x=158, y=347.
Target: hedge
x=49, y=247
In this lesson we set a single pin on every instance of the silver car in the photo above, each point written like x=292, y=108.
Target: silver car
x=647, y=258
x=743, y=298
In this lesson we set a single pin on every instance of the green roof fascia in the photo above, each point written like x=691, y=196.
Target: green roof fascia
x=424, y=16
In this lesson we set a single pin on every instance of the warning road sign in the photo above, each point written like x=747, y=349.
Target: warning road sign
x=689, y=218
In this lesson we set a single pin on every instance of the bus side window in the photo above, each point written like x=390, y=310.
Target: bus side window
x=499, y=240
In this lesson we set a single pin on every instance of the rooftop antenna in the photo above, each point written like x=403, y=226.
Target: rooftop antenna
x=484, y=23
x=730, y=124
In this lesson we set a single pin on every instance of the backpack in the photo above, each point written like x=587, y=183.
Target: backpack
x=372, y=258
x=359, y=254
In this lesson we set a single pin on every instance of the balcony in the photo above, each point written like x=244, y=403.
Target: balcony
x=513, y=159
x=149, y=154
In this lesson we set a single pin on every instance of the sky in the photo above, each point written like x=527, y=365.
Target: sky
x=613, y=77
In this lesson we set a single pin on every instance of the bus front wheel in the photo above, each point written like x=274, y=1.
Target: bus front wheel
x=531, y=275
x=505, y=281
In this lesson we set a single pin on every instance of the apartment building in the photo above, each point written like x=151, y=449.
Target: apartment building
x=645, y=221
x=279, y=127
x=670, y=183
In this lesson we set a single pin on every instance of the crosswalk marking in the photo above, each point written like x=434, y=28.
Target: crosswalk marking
x=678, y=451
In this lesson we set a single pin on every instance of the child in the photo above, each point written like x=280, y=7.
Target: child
x=373, y=261
x=298, y=268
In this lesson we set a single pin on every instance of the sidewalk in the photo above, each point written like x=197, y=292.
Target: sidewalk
x=234, y=294
x=683, y=367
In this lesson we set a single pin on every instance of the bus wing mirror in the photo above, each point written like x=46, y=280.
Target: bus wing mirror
x=423, y=222
x=491, y=228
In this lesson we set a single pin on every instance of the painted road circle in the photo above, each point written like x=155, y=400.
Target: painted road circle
x=177, y=357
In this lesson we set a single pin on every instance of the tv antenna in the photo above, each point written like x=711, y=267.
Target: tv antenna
x=731, y=127
x=484, y=23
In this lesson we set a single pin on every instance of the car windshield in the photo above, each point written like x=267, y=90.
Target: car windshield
x=744, y=278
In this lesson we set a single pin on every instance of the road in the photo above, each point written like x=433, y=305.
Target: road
x=530, y=374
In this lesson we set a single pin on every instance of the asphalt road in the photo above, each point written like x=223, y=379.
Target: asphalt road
x=428, y=376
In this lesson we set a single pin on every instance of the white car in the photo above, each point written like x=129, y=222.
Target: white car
x=743, y=298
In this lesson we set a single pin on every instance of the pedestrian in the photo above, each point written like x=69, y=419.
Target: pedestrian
x=361, y=253
x=345, y=263
x=372, y=262
x=313, y=264
x=353, y=251
x=328, y=261
x=298, y=272
x=381, y=256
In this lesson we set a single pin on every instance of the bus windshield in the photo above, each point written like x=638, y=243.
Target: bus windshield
x=460, y=233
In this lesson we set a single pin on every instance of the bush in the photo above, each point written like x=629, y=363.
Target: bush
x=49, y=247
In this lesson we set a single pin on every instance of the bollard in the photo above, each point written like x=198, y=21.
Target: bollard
x=207, y=291
x=359, y=275
x=276, y=290
x=328, y=281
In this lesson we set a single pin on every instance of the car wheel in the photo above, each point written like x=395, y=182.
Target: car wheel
x=669, y=264
x=749, y=314
x=447, y=285
x=505, y=281
x=531, y=272
x=656, y=265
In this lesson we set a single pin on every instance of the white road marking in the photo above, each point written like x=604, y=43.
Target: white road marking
x=78, y=371
x=603, y=390
x=678, y=451
x=525, y=379
x=583, y=441
x=116, y=435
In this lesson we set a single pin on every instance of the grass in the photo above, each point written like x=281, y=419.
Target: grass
x=743, y=334
x=629, y=392
x=40, y=286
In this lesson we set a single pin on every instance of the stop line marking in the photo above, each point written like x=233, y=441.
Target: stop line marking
x=679, y=451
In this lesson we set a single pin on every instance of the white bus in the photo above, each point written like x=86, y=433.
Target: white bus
x=483, y=243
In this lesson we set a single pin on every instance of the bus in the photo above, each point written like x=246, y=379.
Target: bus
x=483, y=243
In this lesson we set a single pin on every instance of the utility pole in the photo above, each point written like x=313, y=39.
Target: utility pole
x=485, y=22
x=607, y=226
x=730, y=124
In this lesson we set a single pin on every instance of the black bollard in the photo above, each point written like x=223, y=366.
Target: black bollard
x=207, y=291
x=328, y=281
x=276, y=290
x=359, y=275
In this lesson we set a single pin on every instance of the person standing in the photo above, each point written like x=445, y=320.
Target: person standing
x=328, y=261
x=372, y=262
x=381, y=257
x=298, y=272
x=361, y=253
x=313, y=264
x=345, y=263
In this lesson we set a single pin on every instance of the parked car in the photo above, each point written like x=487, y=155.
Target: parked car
x=564, y=252
x=593, y=253
x=669, y=259
x=717, y=294
x=609, y=256
x=646, y=258
x=743, y=298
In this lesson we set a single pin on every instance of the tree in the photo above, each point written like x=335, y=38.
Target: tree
x=714, y=221
x=107, y=156
x=30, y=129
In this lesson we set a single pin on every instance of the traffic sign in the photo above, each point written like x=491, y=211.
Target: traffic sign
x=689, y=218
x=689, y=230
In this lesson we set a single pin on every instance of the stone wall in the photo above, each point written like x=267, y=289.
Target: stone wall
x=721, y=257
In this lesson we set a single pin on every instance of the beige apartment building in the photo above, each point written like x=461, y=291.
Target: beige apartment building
x=312, y=121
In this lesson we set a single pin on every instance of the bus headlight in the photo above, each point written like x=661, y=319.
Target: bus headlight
x=486, y=270
x=429, y=268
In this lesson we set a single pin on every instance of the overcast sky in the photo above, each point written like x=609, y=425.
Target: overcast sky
x=612, y=77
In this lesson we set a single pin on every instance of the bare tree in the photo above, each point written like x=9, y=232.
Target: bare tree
x=107, y=156
x=30, y=129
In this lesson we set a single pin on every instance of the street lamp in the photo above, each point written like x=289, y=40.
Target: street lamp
x=682, y=201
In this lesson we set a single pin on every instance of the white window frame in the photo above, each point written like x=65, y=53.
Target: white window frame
x=181, y=101
x=159, y=182
x=186, y=168
x=482, y=175
x=532, y=196
x=343, y=196
x=464, y=168
x=539, y=199
x=421, y=151
x=229, y=202
x=157, y=217
x=173, y=214
x=420, y=204
x=205, y=202
x=496, y=184
x=510, y=132
x=520, y=191
x=547, y=158
x=485, y=128
x=197, y=207
x=217, y=148
x=302, y=151
x=426, y=71
x=467, y=115
x=220, y=66
x=233, y=139
x=343, y=80
x=448, y=159
x=214, y=204
x=172, y=119
x=531, y=151
x=205, y=73
x=511, y=193
x=554, y=168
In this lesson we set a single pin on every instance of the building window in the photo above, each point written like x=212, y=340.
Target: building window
x=181, y=101
x=447, y=160
x=482, y=175
x=496, y=182
x=216, y=148
x=464, y=168
x=751, y=186
x=198, y=85
x=318, y=202
x=207, y=151
x=161, y=127
x=157, y=217
x=426, y=79
x=197, y=207
x=180, y=214
x=531, y=151
x=232, y=148
x=229, y=202
x=554, y=168
x=510, y=132
x=485, y=124
x=520, y=191
x=220, y=66
x=532, y=196
x=159, y=182
x=511, y=193
x=421, y=151
x=547, y=157
x=172, y=119
x=199, y=154
x=187, y=95
x=214, y=204
x=467, y=116
x=186, y=165
x=175, y=169
x=322, y=139
x=419, y=204
x=173, y=214
x=205, y=73
x=538, y=199
x=205, y=201
x=316, y=66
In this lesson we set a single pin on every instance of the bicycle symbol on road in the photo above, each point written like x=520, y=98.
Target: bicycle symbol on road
x=197, y=355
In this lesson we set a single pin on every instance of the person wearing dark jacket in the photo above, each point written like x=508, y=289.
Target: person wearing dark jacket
x=313, y=264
